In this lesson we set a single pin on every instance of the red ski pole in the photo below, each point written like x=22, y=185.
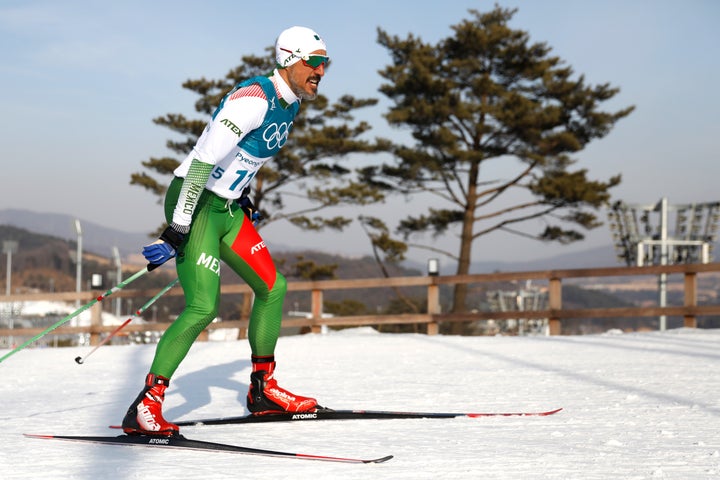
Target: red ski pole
x=81, y=360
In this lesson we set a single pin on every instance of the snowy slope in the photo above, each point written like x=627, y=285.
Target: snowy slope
x=636, y=406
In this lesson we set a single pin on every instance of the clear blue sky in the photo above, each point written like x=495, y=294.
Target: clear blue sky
x=81, y=81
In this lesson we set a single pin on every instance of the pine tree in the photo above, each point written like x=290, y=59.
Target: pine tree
x=483, y=96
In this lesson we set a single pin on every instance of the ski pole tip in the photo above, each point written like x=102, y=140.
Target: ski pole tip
x=79, y=360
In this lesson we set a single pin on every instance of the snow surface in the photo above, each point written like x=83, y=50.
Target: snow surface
x=636, y=406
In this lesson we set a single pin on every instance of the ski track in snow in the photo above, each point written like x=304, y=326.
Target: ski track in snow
x=635, y=406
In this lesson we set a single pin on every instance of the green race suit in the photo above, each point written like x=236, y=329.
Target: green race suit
x=248, y=128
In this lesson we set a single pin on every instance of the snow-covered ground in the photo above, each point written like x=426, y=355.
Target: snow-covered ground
x=636, y=406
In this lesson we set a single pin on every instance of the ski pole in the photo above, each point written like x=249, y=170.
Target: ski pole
x=138, y=312
x=77, y=312
x=80, y=360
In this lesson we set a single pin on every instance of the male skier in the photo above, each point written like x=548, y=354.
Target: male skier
x=210, y=220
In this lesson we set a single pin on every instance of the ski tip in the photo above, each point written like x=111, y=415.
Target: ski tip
x=380, y=460
x=36, y=435
x=511, y=414
x=540, y=414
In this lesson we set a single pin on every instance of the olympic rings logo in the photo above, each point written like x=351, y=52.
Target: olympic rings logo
x=276, y=135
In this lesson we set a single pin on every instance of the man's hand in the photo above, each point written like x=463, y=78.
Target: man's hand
x=248, y=207
x=165, y=248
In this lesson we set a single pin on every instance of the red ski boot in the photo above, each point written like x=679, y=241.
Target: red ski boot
x=144, y=417
x=264, y=395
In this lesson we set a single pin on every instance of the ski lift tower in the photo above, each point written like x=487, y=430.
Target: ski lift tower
x=641, y=236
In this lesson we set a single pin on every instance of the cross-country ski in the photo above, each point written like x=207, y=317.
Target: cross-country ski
x=180, y=442
x=327, y=414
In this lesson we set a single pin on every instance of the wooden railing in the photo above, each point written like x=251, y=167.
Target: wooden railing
x=555, y=313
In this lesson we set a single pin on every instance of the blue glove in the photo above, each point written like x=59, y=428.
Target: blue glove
x=159, y=253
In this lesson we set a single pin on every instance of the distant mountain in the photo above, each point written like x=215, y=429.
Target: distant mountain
x=96, y=238
x=100, y=240
x=593, y=257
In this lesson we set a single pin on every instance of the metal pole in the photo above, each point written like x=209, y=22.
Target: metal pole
x=78, y=265
x=118, y=278
x=662, y=280
x=8, y=272
x=9, y=247
x=11, y=322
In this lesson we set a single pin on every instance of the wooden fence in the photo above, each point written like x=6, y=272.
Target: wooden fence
x=555, y=313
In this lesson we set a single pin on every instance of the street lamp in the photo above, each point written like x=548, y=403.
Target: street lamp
x=96, y=281
x=433, y=267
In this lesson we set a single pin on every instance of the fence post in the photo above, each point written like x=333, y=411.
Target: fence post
x=204, y=336
x=245, y=310
x=316, y=307
x=690, y=321
x=433, y=308
x=555, y=303
x=95, y=321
